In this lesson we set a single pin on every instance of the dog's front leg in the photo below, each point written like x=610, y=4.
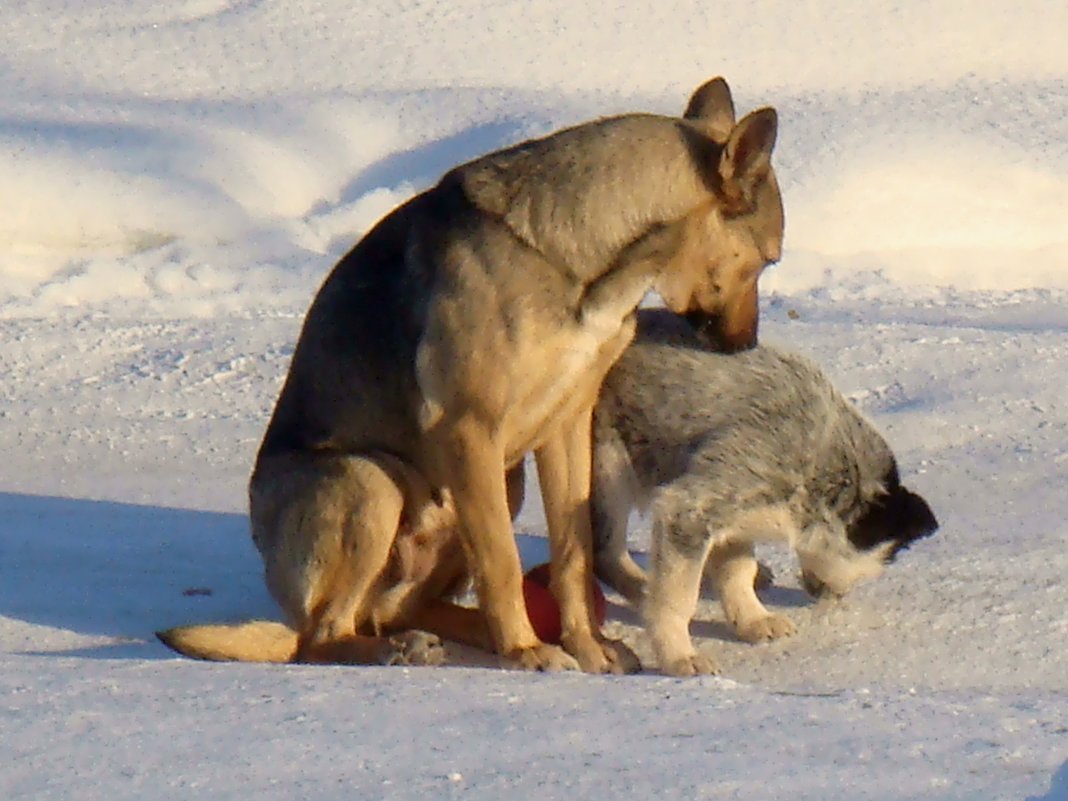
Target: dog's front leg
x=671, y=599
x=474, y=465
x=564, y=469
x=615, y=295
x=735, y=571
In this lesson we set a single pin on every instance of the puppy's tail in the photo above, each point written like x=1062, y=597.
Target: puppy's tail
x=254, y=641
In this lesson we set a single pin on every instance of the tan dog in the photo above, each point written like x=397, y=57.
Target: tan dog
x=472, y=325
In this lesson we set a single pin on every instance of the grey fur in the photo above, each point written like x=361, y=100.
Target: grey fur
x=723, y=446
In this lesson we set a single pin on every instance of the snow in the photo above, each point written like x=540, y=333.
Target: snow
x=177, y=179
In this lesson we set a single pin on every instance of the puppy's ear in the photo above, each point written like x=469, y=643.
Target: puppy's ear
x=712, y=107
x=914, y=515
x=745, y=161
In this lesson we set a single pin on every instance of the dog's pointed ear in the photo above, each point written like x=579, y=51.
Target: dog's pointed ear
x=746, y=158
x=713, y=108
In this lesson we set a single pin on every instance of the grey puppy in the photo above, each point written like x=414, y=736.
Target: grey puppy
x=730, y=450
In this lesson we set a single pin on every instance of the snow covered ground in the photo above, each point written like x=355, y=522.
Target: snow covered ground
x=176, y=180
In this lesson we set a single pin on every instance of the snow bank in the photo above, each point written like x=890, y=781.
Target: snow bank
x=216, y=154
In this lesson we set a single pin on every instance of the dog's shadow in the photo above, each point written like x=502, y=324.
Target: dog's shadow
x=104, y=576
x=100, y=578
x=1058, y=786
x=783, y=597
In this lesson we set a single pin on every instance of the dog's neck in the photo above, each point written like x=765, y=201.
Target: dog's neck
x=582, y=195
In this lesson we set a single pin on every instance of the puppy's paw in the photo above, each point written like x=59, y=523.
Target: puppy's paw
x=621, y=658
x=597, y=655
x=763, y=629
x=695, y=664
x=542, y=657
x=414, y=648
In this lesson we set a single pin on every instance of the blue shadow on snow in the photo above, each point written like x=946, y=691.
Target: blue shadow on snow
x=1058, y=786
x=124, y=571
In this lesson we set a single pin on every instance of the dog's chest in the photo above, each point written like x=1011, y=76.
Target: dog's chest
x=569, y=369
x=518, y=354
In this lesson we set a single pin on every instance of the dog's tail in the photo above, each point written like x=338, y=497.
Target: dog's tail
x=254, y=641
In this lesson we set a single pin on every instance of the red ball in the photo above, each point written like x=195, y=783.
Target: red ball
x=542, y=609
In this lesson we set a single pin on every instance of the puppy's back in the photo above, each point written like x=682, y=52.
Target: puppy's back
x=765, y=413
x=667, y=381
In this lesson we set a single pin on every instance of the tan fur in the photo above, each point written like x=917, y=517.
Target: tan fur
x=729, y=565
x=668, y=606
x=735, y=574
x=471, y=326
x=254, y=641
x=340, y=609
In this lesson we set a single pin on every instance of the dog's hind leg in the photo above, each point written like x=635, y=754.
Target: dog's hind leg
x=611, y=499
x=452, y=622
x=734, y=571
x=671, y=600
x=431, y=606
x=328, y=524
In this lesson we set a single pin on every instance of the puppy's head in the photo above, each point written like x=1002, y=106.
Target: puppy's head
x=895, y=518
x=891, y=520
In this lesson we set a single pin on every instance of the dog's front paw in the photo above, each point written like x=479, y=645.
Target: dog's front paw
x=414, y=648
x=769, y=627
x=695, y=664
x=543, y=657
